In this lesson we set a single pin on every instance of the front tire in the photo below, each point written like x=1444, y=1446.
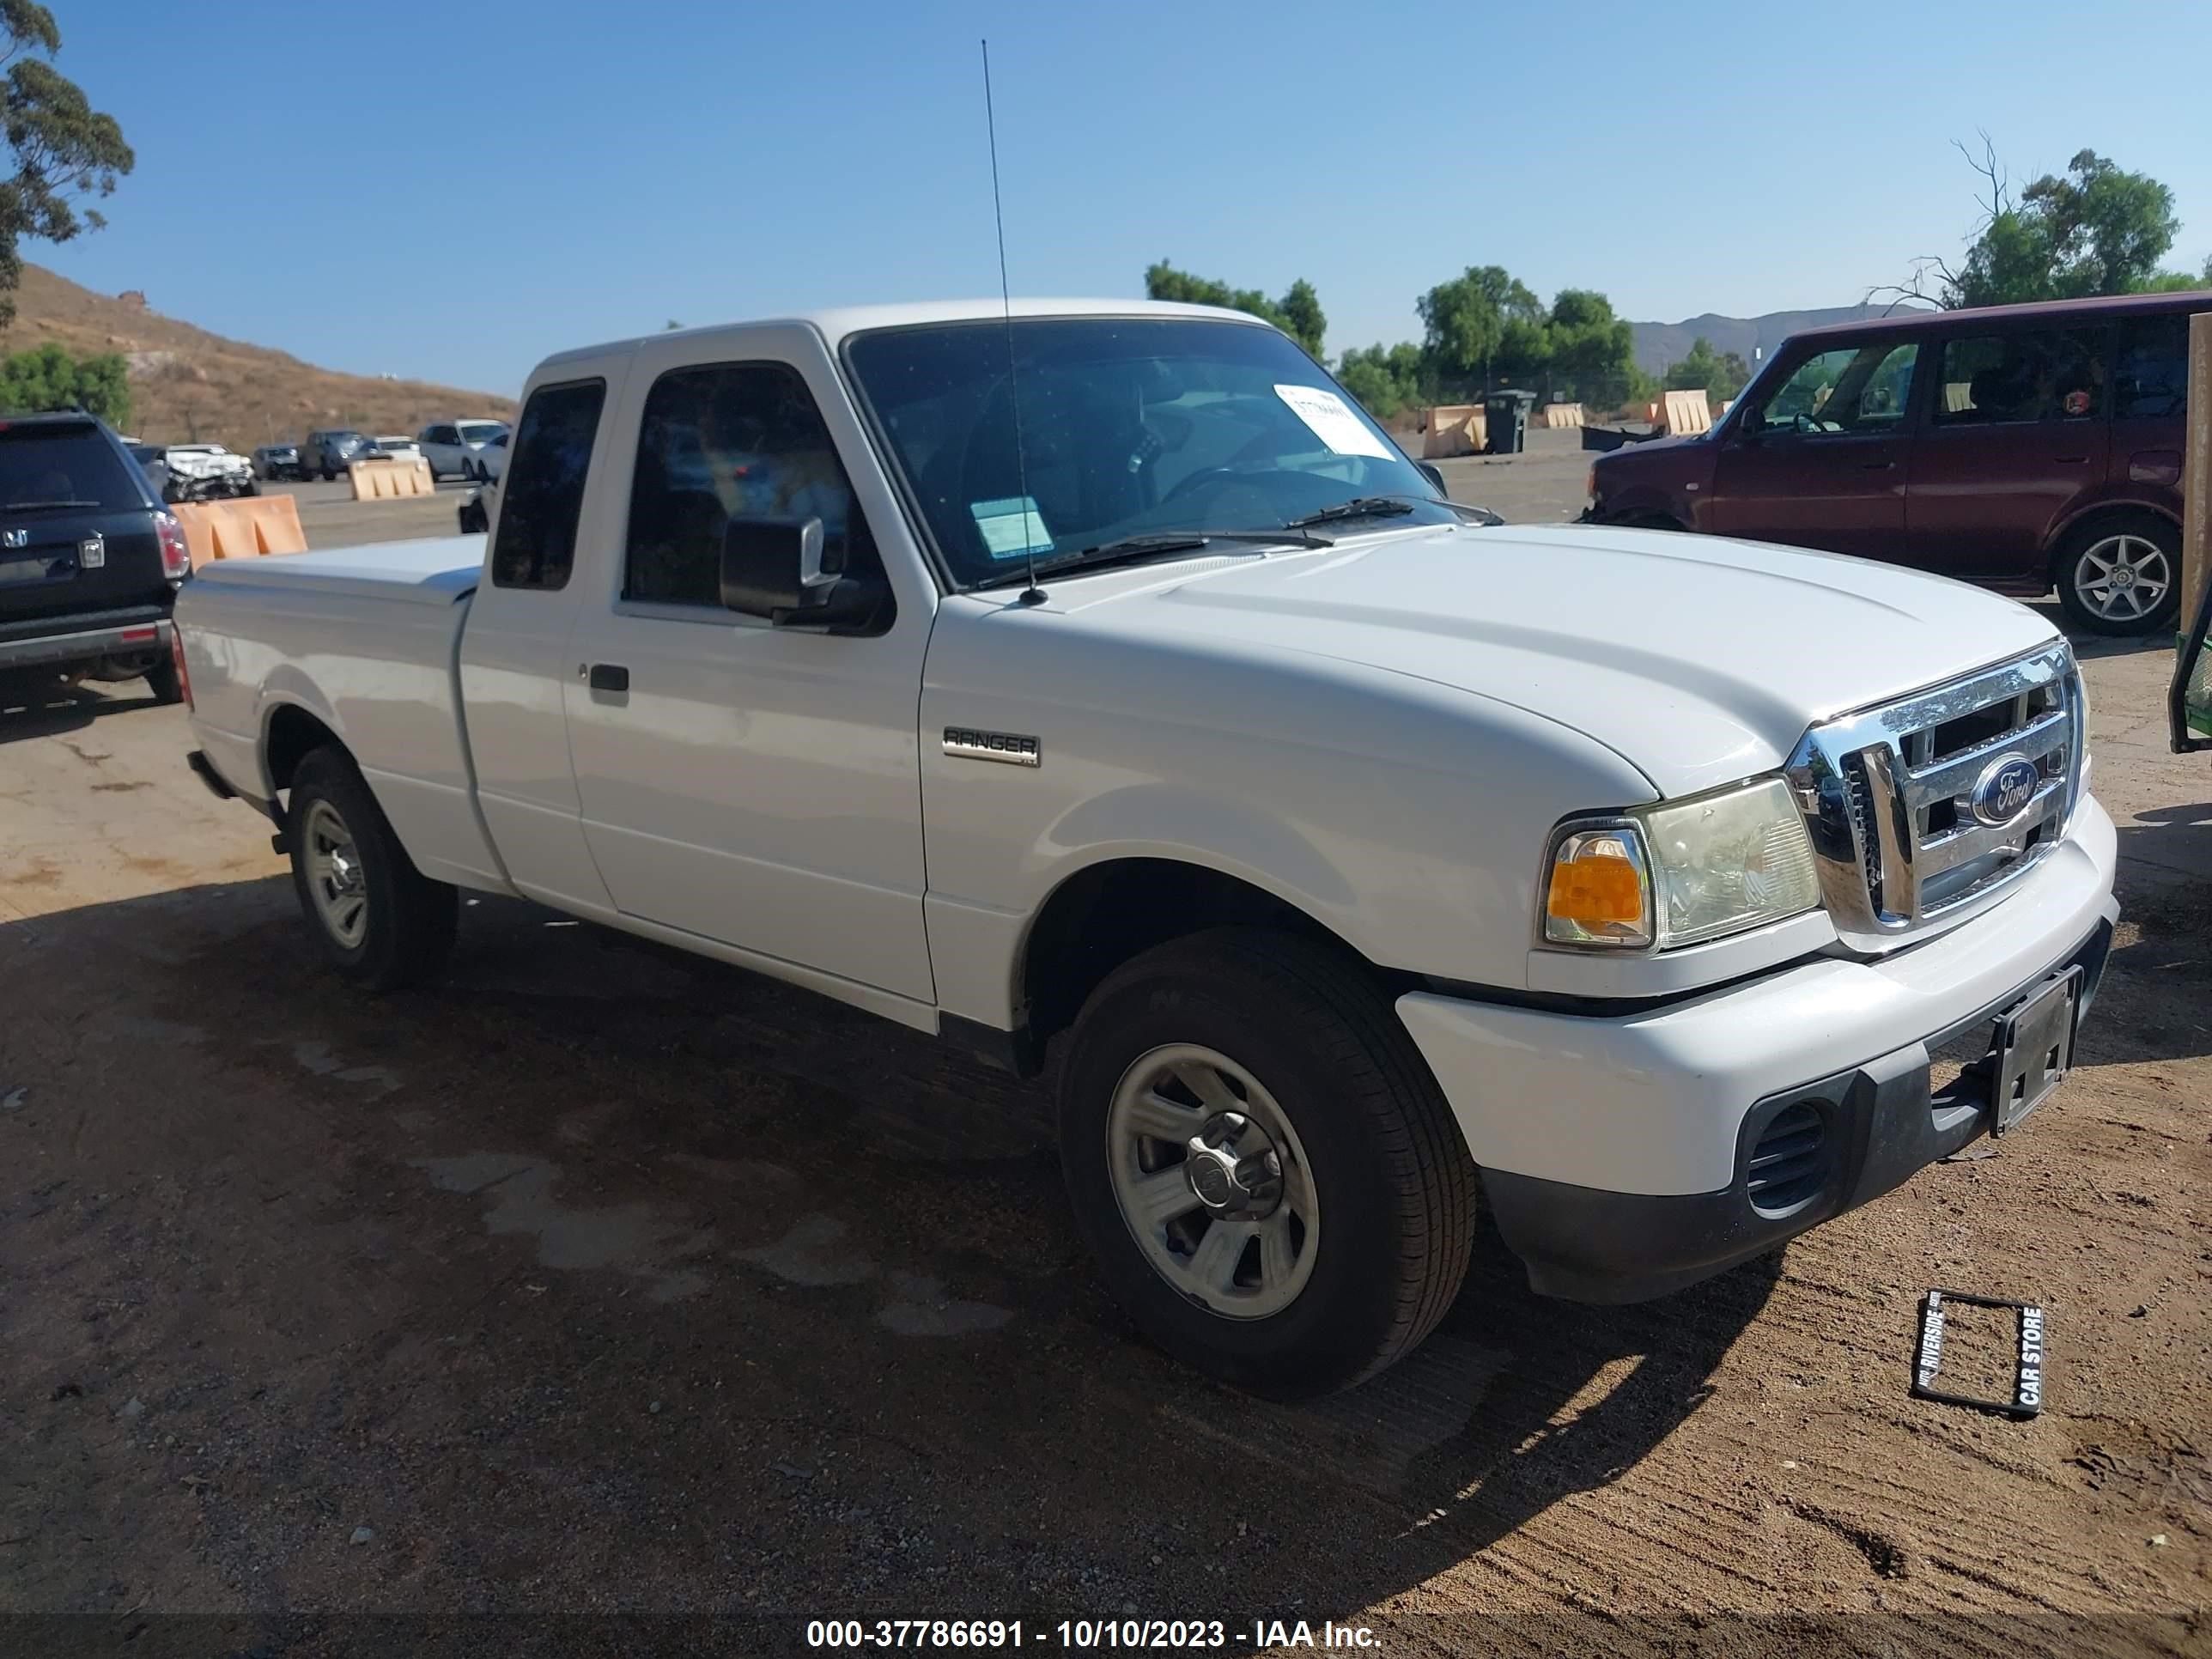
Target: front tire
x=379, y=921
x=2120, y=575
x=1323, y=1222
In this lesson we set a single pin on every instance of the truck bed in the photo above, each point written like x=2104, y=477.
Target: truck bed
x=364, y=640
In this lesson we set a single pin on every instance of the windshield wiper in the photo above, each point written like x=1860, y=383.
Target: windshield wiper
x=1359, y=507
x=41, y=507
x=1127, y=550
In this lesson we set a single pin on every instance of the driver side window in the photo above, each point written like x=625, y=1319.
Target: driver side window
x=1849, y=389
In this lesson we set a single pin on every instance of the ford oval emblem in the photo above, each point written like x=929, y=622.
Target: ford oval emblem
x=2002, y=792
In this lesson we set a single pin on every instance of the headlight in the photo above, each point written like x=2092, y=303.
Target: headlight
x=1681, y=871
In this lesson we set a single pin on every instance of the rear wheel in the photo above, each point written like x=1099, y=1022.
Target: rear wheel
x=2121, y=574
x=1272, y=1183
x=164, y=681
x=380, y=922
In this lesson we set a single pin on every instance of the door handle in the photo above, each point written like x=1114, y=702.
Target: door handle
x=1877, y=466
x=608, y=677
x=2070, y=460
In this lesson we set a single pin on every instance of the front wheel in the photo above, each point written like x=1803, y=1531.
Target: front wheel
x=1272, y=1183
x=2121, y=574
x=379, y=921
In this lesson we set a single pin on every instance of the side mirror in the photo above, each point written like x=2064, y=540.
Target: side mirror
x=772, y=568
x=1435, y=475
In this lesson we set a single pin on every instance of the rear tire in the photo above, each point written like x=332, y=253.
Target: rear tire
x=163, y=680
x=380, y=921
x=1376, y=1202
x=2114, y=562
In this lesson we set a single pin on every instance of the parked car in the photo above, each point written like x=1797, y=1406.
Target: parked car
x=151, y=463
x=277, y=462
x=451, y=448
x=207, y=470
x=329, y=453
x=2022, y=448
x=391, y=449
x=90, y=560
x=1359, y=857
x=491, y=458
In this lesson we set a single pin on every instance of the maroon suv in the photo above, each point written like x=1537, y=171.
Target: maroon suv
x=2023, y=447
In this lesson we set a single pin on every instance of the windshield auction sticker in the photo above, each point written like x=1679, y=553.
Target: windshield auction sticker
x=1012, y=528
x=1331, y=419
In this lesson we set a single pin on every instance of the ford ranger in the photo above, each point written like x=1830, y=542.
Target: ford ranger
x=1099, y=676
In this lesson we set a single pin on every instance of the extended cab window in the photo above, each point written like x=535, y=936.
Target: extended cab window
x=1852, y=388
x=2152, y=378
x=543, y=493
x=723, y=441
x=2056, y=376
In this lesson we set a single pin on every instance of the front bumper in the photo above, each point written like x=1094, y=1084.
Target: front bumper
x=1613, y=1148
x=74, y=643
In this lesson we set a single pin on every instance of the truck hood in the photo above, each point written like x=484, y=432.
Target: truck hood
x=1698, y=659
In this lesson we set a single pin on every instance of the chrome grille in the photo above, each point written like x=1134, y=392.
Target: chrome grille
x=1889, y=794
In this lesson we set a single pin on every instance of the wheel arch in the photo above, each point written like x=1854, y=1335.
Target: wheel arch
x=290, y=730
x=2087, y=514
x=1101, y=916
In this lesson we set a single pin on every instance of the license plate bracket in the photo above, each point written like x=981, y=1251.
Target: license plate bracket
x=2034, y=1049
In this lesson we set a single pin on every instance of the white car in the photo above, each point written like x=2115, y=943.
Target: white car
x=396, y=449
x=209, y=464
x=491, y=458
x=1363, y=865
x=453, y=447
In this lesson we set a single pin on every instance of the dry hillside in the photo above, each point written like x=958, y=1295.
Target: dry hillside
x=188, y=384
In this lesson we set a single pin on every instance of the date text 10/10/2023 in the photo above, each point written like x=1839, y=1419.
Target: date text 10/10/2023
x=1132, y=1635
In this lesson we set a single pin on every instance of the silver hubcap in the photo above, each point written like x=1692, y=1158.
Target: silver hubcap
x=1212, y=1182
x=334, y=874
x=2124, y=578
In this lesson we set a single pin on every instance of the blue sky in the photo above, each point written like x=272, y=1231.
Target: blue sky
x=451, y=192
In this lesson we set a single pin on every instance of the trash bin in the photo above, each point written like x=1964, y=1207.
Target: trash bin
x=1506, y=414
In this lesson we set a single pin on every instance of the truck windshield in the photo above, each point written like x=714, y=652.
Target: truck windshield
x=1128, y=427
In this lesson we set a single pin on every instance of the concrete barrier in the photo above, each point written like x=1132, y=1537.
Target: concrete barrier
x=1559, y=416
x=246, y=528
x=1454, y=430
x=1687, y=412
x=379, y=480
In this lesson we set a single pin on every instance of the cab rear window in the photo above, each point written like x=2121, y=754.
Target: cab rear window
x=57, y=466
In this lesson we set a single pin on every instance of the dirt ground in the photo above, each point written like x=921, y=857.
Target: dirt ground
x=606, y=1300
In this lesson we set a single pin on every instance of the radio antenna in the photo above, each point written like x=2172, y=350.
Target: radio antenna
x=1031, y=594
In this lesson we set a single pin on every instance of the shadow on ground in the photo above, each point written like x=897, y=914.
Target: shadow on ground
x=600, y=1278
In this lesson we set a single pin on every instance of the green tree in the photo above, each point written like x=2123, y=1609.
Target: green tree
x=1593, y=352
x=1384, y=379
x=1302, y=315
x=1721, y=373
x=1482, y=325
x=65, y=151
x=48, y=378
x=1297, y=314
x=2094, y=229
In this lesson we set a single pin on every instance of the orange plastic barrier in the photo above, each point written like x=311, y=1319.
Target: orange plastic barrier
x=1560, y=415
x=377, y=481
x=1455, y=430
x=1687, y=412
x=243, y=529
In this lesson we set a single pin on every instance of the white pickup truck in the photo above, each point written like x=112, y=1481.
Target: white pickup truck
x=1369, y=862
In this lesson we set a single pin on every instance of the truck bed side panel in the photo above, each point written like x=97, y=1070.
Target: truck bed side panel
x=377, y=671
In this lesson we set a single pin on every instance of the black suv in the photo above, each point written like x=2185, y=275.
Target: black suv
x=90, y=560
x=330, y=452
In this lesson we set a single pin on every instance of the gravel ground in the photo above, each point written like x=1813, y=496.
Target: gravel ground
x=607, y=1300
